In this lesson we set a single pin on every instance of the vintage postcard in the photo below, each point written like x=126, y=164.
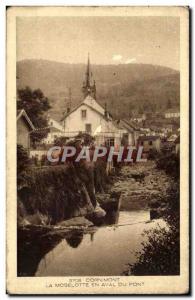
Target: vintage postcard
x=98, y=150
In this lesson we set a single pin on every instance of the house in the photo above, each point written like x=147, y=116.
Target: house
x=129, y=133
x=91, y=117
x=55, y=130
x=150, y=143
x=146, y=131
x=139, y=118
x=172, y=113
x=135, y=128
x=126, y=134
x=172, y=138
x=24, y=128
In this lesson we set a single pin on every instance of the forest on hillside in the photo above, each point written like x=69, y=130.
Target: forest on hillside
x=125, y=88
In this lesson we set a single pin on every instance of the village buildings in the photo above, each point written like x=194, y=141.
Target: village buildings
x=55, y=130
x=90, y=117
x=172, y=113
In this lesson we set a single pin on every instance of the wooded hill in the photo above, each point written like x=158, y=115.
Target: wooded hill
x=126, y=88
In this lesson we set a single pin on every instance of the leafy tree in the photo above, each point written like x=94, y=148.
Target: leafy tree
x=170, y=163
x=86, y=138
x=36, y=105
x=60, y=141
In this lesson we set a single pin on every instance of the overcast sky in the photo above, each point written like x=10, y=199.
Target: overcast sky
x=109, y=40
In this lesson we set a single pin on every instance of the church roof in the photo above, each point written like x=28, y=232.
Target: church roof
x=90, y=102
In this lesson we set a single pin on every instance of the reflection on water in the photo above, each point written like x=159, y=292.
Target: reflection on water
x=74, y=240
x=105, y=252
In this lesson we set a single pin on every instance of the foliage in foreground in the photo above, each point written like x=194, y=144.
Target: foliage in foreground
x=169, y=163
x=160, y=253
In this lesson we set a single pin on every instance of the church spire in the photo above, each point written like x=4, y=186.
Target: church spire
x=88, y=72
x=89, y=88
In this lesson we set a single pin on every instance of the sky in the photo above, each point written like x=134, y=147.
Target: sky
x=109, y=40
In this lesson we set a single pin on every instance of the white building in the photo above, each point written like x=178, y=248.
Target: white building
x=172, y=113
x=139, y=118
x=90, y=117
x=55, y=130
x=150, y=143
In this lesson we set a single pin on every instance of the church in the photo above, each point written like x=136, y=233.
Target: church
x=90, y=117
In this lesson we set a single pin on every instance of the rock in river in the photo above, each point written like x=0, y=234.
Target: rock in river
x=77, y=221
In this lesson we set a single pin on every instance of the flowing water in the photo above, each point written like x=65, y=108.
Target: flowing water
x=105, y=252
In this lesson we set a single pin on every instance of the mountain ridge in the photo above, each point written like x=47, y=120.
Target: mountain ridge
x=124, y=87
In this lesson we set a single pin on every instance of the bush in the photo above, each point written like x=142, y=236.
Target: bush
x=22, y=159
x=160, y=254
x=170, y=163
x=153, y=154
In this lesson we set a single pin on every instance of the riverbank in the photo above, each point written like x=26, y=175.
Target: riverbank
x=133, y=191
x=141, y=185
x=138, y=186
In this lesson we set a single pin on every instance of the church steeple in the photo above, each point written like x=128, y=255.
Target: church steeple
x=89, y=88
x=88, y=72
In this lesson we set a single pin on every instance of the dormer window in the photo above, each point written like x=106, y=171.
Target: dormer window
x=83, y=113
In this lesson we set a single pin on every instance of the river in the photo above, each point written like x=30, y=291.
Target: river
x=105, y=252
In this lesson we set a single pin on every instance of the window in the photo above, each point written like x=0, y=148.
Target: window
x=83, y=113
x=109, y=142
x=142, y=143
x=88, y=128
x=150, y=143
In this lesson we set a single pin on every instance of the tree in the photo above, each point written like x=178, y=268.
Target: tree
x=23, y=160
x=36, y=105
x=60, y=141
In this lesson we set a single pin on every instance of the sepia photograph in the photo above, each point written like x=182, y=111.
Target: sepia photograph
x=97, y=104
